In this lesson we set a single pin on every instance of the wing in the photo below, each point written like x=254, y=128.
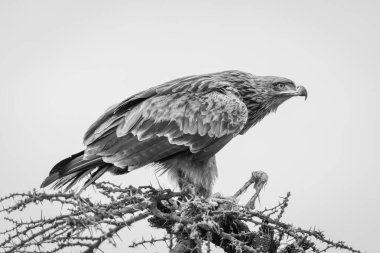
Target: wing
x=194, y=114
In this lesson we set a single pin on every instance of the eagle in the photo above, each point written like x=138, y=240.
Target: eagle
x=178, y=127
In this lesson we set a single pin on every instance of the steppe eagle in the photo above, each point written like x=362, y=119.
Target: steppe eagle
x=177, y=126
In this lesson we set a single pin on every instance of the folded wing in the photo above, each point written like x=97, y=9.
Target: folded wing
x=196, y=114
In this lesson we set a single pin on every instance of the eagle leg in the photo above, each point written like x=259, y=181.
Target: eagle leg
x=195, y=176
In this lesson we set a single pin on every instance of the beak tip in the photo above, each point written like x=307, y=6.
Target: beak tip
x=302, y=92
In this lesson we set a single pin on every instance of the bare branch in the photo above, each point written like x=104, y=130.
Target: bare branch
x=83, y=225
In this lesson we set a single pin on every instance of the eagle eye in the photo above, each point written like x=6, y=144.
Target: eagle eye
x=279, y=86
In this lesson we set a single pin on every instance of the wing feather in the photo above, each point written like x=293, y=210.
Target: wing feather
x=199, y=114
x=130, y=120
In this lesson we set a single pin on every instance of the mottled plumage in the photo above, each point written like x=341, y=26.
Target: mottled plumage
x=178, y=126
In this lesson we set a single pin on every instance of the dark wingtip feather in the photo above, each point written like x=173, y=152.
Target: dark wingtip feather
x=55, y=172
x=65, y=161
x=71, y=170
x=50, y=179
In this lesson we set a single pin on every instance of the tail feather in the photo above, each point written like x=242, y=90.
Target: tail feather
x=72, y=169
x=95, y=176
x=76, y=178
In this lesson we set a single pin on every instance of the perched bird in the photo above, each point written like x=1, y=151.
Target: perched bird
x=177, y=126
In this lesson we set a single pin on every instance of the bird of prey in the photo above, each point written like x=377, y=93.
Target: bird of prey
x=177, y=126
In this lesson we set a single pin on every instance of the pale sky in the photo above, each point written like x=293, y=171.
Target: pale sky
x=62, y=63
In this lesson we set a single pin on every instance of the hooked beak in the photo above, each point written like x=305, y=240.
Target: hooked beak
x=301, y=91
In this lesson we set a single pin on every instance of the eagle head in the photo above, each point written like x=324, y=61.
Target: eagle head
x=271, y=91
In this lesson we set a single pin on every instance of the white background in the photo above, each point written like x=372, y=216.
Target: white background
x=62, y=63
